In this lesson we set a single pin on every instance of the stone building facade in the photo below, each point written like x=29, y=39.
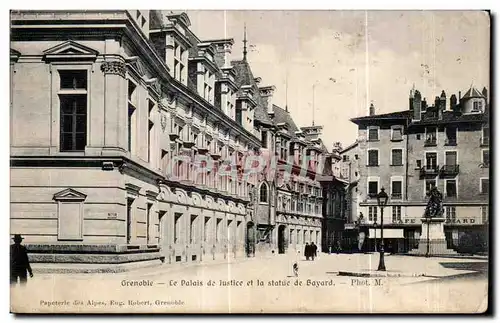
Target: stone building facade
x=132, y=140
x=114, y=116
x=408, y=152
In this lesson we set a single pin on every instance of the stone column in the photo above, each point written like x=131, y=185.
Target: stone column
x=115, y=105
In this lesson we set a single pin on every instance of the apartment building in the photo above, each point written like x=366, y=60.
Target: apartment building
x=409, y=152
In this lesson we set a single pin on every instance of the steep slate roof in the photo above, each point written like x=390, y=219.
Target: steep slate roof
x=283, y=116
x=244, y=76
x=472, y=93
x=392, y=115
x=452, y=117
x=427, y=118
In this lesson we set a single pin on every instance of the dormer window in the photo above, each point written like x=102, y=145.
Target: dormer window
x=179, y=63
x=208, y=86
x=477, y=106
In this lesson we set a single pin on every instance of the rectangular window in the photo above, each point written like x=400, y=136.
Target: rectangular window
x=429, y=184
x=177, y=227
x=419, y=163
x=73, y=122
x=397, y=189
x=396, y=213
x=397, y=157
x=397, y=134
x=73, y=79
x=372, y=188
x=129, y=219
x=477, y=106
x=431, y=160
x=451, y=213
x=485, y=185
x=132, y=105
x=73, y=110
x=150, y=130
x=486, y=157
x=451, y=136
x=372, y=213
x=193, y=229
x=264, y=139
x=372, y=157
x=239, y=116
x=373, y=134
x=485, y=139
x=148, y=221
x=451, y=188
x=431, y=136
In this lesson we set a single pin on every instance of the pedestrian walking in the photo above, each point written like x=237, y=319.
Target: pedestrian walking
x=19, y=262
x=307, y=250
x=338, y=247
x=314, y=250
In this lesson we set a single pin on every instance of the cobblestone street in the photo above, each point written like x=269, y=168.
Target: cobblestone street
x=267, y=284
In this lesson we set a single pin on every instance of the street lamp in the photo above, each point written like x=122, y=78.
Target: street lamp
x=382, y=202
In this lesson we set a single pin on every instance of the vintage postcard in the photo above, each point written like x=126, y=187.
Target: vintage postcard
x=167, y=161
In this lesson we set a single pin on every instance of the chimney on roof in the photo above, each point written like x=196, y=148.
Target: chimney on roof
x=223, y=49
x=412, y=93
x=453, y=102
x=484, y=92
x=459, y=96
x=267, y=93
x=417, y=105
x=442, y=101
x=372, y=109
x=424, y=105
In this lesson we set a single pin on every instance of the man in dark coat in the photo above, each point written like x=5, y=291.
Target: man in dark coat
x=307, y=251
x=314, y=250
x=19, y=262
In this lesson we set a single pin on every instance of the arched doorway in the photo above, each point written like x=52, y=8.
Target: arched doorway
x=250, y=240
x=281, y=239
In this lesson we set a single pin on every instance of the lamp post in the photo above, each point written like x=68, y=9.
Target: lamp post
x=375, y=226
x=382, y=202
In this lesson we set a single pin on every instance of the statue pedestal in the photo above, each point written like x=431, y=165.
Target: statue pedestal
x=432, y=239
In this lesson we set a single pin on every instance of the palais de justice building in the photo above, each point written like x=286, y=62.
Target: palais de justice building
x=112, y=114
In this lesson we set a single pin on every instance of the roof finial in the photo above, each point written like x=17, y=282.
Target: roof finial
x=286, y=91
x=245, y=42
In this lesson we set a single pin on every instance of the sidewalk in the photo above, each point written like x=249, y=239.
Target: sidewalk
x=365, y=265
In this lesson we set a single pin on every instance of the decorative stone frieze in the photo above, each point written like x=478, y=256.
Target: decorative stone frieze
x=113, y=67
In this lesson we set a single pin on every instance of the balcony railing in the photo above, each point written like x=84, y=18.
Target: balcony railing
x=430, y=142
x=450, y=142
x=396, y=196
x=429, y=171
x=450, y=170
x=485, y=141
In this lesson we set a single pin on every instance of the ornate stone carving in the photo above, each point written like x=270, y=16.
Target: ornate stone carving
x=113, y=67
x=163, y=121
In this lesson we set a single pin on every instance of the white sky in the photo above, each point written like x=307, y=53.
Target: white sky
x=436, y=50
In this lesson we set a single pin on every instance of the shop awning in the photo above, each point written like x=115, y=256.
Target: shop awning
x=388, y=233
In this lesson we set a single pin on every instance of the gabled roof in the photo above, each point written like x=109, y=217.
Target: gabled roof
x=472, y=93
x=354, y=144
x=283, y=116
x=244, y=76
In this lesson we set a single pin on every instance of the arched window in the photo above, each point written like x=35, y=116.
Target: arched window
x=264, y=193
